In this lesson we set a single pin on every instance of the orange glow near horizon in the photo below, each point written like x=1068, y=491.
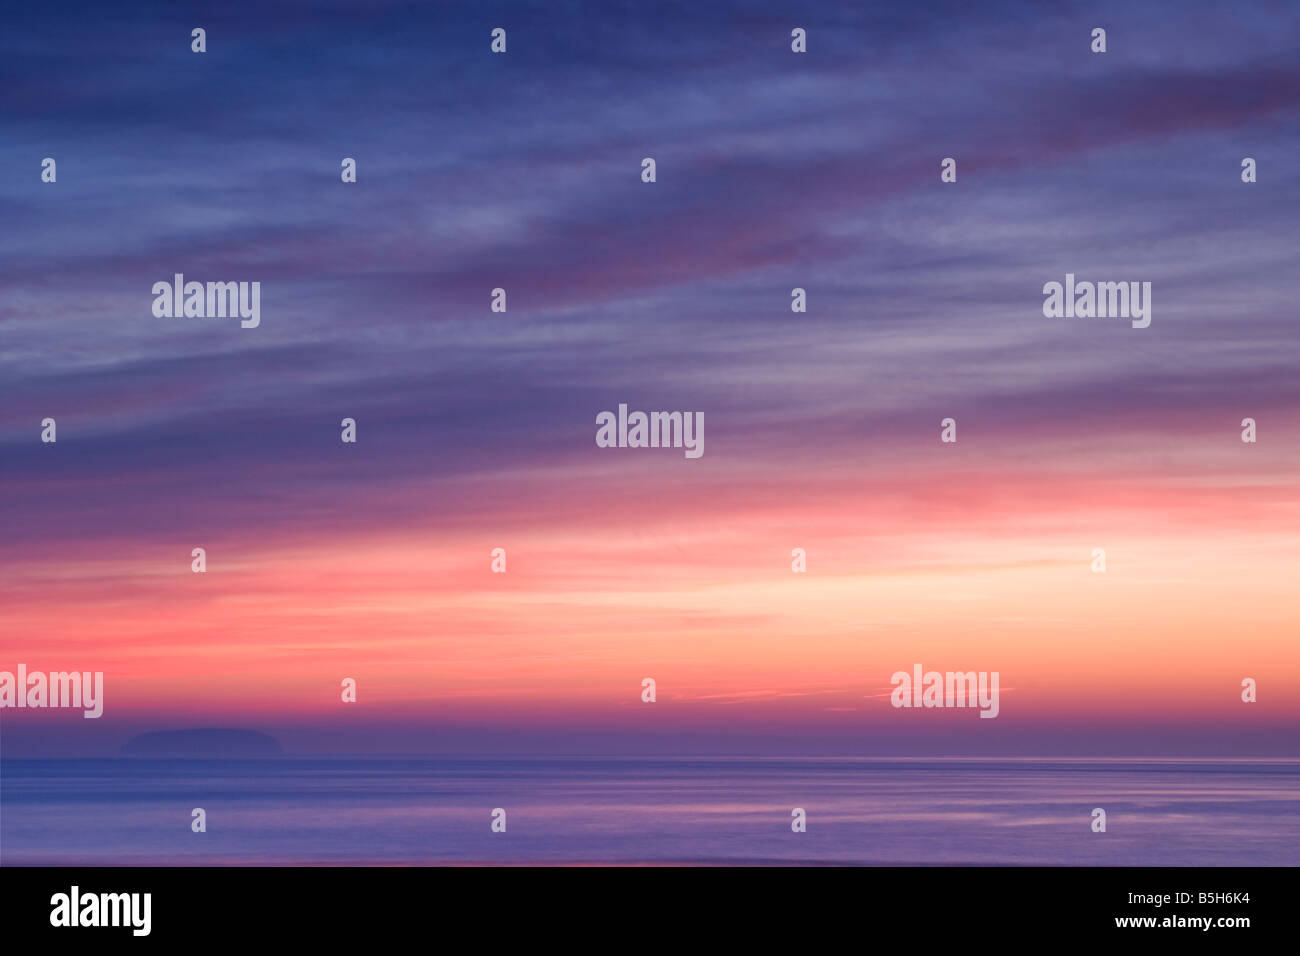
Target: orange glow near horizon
x=986, y=572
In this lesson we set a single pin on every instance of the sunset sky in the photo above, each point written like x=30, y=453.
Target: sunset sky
x=476, y=430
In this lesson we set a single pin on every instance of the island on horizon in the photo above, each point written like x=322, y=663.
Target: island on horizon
x=202, y=742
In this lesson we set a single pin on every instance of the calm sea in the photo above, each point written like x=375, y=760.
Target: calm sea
x=658, y=810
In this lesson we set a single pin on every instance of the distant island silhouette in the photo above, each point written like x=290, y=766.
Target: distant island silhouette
x=202, y=742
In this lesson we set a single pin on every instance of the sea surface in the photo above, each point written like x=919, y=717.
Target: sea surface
x=423, y=810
